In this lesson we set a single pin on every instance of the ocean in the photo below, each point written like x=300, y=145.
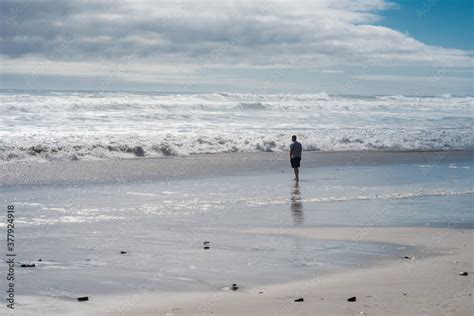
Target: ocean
x=87, y=125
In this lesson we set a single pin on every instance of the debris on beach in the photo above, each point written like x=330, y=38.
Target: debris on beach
x=463, y=273
x=260, y=292
x=83, y=298
x=299, y=299
x=352, y=299
x=206, y=243
x=206, y=247
x=409, y=257
x=28, y=265
x=123, y=252
x=39, y=260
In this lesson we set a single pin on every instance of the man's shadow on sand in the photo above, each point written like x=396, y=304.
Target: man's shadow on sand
x=296, y=204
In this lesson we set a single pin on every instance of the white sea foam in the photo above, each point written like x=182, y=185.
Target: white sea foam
x=90, y=125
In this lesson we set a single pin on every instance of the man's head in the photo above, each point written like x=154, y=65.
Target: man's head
x=293, y=138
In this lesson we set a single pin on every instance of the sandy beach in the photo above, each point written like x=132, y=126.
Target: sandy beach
x=426, y=285
x=132, y=236
x=228, y=158
x=429, y=284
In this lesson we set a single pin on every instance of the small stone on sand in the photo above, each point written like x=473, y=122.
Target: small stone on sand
x=463, y=273
x=299, y=299
x=83, y=298
x=234, y=287
x=28, y=265
x=206, y=247
x=352, y=299
x=123, y=252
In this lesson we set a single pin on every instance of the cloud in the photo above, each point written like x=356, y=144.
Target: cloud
x=172, y=38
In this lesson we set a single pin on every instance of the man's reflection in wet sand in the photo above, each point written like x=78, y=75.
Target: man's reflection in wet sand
x=296, y=205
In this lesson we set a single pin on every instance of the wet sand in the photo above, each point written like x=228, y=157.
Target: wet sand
x=170, y=168
x=341, y=232
x=426, y=285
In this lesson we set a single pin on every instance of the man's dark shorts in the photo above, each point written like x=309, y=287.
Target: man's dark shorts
x=295, y=162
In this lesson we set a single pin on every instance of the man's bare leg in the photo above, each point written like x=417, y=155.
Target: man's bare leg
x=297, y=174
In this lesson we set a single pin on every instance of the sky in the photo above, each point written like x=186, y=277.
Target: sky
x=345, y=47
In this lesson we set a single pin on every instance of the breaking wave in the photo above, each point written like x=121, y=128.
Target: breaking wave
x=61, y=125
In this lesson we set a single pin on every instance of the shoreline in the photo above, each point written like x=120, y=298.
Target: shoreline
x=173, y=168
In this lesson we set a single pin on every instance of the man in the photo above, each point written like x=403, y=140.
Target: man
x=295, y=156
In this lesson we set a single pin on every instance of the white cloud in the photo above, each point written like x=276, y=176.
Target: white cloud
x=172, y=39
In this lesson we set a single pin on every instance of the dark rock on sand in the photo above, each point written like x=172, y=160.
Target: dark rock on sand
x=206, y=243
x=234, y=287
x=123, y=252
x=206, y=247
x=299, y=299
x=28, y=265
x=409, y=257
x=39, y=260
x=83, y=298
x=352, y=299
x=463, y=273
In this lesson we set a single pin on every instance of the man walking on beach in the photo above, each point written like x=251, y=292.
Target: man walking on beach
x=295, y=156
